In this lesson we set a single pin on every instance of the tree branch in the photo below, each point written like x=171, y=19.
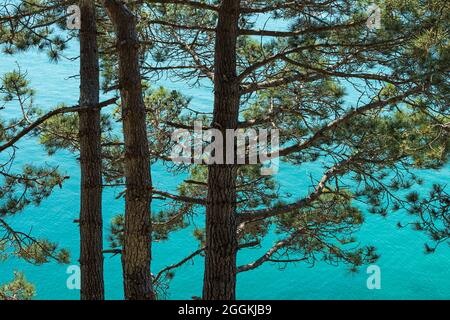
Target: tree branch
x=181, y=198
x=266, y=257
x=250, y=216
x=49, y=115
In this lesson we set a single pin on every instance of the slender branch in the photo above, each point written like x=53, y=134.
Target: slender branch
x=252, y=87
x=285, y=5
x=181, y=26
x=181, y=198
x=266, y=257
x=346, y=118
x=250, y=216
x=193, y=4
x=273, y=33
x=32, y=13
x=179, y=264
x=49, y=115
x=193, y=255
x=367, y=76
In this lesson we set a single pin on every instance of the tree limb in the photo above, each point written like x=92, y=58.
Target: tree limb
x=49, y=115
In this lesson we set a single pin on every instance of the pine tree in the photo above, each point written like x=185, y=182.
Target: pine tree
x=295, y=79
x=58, y=131
x=22, y=188
x=136, y=252
x=28, y=25
x=90, y=139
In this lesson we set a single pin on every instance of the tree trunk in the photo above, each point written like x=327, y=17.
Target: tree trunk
x=136, y=254
x=91, y=226
x=221, y=239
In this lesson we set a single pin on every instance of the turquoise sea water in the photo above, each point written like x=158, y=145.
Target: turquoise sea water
x=407, y=273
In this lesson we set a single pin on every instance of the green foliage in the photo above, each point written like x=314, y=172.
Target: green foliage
x=163, y=106
x=15, y=84
x=325, y=232
x=60, y=132
x=116, y=234
x=26, y=247
x=30, y=187
x=36, y=24
x=18, y=289
x=27, y=187
x=433, y=215
x=304, y=94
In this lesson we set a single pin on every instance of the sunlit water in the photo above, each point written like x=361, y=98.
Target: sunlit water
x=407, y=273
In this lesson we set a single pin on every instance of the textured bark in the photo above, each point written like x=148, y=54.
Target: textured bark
x=91, y=227
x=221, y=240
x=136, y=254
